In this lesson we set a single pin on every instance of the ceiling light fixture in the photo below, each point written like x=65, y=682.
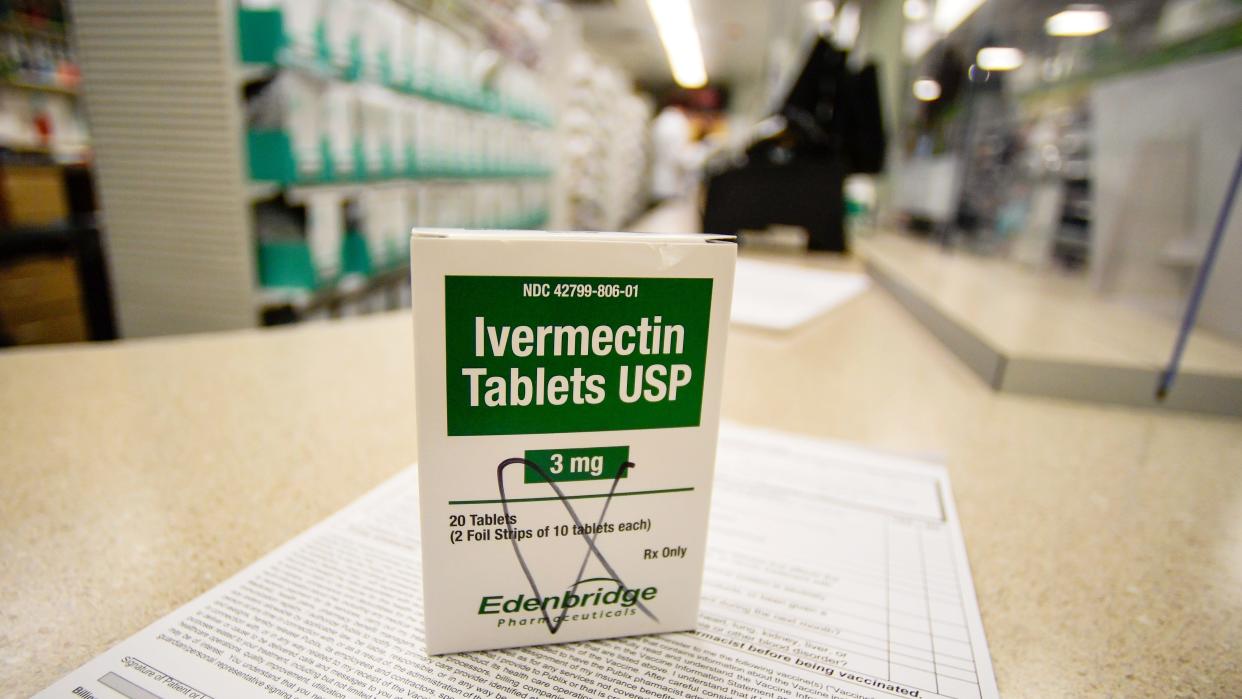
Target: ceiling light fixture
x=916, y=39
x=950, y=13
x=675, y=23
x=845, y=33
x=820, y=11
x=1078, y=20
x=914, y=10
x=999, y=58
x=926, y=90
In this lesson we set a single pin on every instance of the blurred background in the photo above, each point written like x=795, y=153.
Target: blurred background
x=1037, y=176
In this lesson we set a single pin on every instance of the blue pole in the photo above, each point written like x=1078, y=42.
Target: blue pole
x=1201, y=279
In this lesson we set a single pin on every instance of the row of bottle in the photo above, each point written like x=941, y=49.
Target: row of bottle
x=382, y=42
x=337, y=131
x=324, y=234
x=39, y=61
x=604, y=125
x=513, y=205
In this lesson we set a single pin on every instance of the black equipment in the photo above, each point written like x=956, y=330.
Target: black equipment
x=832, y=127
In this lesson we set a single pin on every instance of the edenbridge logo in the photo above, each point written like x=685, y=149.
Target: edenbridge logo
x=625, y=597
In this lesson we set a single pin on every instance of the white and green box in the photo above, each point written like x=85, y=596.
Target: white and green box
x=568, y=391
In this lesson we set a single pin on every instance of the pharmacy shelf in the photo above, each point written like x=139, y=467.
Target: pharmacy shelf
x=266, y=45
x=482, y=102
x=259, y=191
x=331, y=299
x=163, y=84
x=16, y=24
x=349, y=188
x=39, y=87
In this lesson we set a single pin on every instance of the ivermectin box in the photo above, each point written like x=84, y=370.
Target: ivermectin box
x=568, y=391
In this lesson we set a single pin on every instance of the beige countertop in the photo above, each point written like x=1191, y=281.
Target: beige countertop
x=1105, y=543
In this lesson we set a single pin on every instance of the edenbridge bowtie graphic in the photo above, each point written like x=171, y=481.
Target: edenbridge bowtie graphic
x=589, y=535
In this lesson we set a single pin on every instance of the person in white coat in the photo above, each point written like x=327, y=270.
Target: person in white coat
x=671, y=143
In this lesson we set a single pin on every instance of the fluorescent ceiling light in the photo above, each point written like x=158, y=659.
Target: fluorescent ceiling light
x=1078, y=20
x=950, y=13
x=998, y=58
x=926, y=90
x=916, y=39
x=820, y=11
x=914, y=10
x=675, y=23
x=845, y=33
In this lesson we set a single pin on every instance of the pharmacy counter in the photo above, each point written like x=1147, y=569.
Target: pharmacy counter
x=1106, y=543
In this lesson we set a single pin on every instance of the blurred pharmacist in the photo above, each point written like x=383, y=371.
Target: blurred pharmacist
x=672, y=150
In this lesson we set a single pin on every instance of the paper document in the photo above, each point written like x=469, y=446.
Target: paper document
x=832, y=571
x=782, y=297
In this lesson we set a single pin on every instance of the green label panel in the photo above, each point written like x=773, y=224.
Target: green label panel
x=534, y=355
x=588, y=464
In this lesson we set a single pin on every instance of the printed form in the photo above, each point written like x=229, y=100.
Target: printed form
x=781, y=297
x=832, y=571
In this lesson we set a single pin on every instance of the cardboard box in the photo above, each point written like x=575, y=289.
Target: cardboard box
x=41, y=302
x=32, y=195
x=568, y=392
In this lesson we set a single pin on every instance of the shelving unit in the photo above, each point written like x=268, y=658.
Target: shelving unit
x=185, y=166
x=604, y=127
x=39, y=87
x=1072, y=243
x=38, y=90
x=16, y=24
